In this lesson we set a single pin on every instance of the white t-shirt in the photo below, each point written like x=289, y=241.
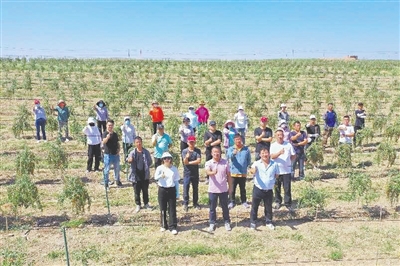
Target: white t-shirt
x=283, y=160
x=346, y=130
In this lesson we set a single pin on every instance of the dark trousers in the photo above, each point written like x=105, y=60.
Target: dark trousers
x=208, y=157
x=157, y=162
x=284, y=180
x=223, y=200
x=267, y=197
x=184, y=145
x=126, y=147
x=167, y=202
x=300, y=159
x=241, y=181
x=186, y=187
x=93, y=151
x=101, y=125
x=155, y=126
x=40, y=124
x=143, y=186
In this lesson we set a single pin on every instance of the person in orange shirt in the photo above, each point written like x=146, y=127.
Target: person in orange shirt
x=157, y=115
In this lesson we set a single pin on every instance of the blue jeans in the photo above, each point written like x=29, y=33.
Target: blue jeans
x=40, y=124
x=186, y=186
x=242, y=132
x=223, y=200
x=108, y=160
x=300, y=158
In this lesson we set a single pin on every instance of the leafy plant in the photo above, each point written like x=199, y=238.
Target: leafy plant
x=21, y=121
x=76, y=192
x=386, y=151
x=312, y=198
x=315, y=153
x=23, y=193
x=57, y=157
x=364, y=136
x=393, y=187
x=343, y=156
x=334, y=140
x=360, y=185
x=25, y=162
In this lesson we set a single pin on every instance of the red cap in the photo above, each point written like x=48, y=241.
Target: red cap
x=264, y=119
x=37, y=101
x=191, y=138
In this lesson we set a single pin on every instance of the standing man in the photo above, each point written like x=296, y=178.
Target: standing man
x=298, y=138
x=360, y=120
x=283, y=154
x=283, y=114
x=265, y=173
x=239, y=157
x=241, y=122
x=191, y=157
x=313, y=131
x=161, y=143
x=157, y=115
x=263, y=135
x=202, y=113
x=101, y=115
x=93, y=140
x=111, y=153
x=40, y=120
x=185, y=130
x=128, y=135
x=346, y=131
x=219, y=188
x=62, y=117
x=330, y=119
x=212, y=138
x=140, y=160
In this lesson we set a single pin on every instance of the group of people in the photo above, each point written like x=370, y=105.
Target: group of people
x=273, y=168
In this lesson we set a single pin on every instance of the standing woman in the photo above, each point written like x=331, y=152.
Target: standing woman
x=40, y=120
x=157, y=115
x=185, y=130
x=62, y=117
x=101, y=115
x=229, y=132
x=241, y=122
x=167, y=177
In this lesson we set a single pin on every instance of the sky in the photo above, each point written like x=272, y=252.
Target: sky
x=200, y=30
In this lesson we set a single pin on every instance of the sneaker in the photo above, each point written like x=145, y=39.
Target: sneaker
x=231, y=205
x=97, y=170
x=45, y=140
x=137, y=208
x=162, y=229
x=66, y=139
x=185, y=208
x=88, y=171
x=245, y=205
x=228, y=227
x=270, y=226
x=277, y=206
x=119, y=184
x=253, y=226
x=38, y=141
x=289, y=208
x=174, y=232
x=110, y=183
x=148, y=207
x=211, y=228
x=197, y=207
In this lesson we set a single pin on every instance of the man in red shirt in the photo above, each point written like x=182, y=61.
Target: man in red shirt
x=202, y=113
x=157, y=115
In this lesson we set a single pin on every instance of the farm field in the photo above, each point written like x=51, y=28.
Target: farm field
x=342, y=214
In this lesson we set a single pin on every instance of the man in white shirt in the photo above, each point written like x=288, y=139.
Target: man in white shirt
x=283, y=154
x=346, y=131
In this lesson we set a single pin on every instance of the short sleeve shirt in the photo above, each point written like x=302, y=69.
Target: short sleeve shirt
x=191, y=170
x=162, y=144
x=218, y=183
x=264, y=177
x=298, y=149
x=261, y=144
x=283, y=160
x=217, y=135
x=112, y=146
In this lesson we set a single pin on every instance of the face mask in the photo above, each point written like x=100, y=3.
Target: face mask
x=155, y=105
x=91, y=124
x=37, y=105
x=127, y=122
x=229, y=126
x=101, y=105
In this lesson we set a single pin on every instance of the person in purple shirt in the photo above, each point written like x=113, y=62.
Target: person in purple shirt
x=298, y=139
x=219, y=187
x=101, y=115
x=330, y=119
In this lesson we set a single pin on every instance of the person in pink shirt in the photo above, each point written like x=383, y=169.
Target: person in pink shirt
x=219, y=187
x=202, y=113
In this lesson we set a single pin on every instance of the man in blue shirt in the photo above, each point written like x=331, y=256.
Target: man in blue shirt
x=265, y=173
x=330, y=119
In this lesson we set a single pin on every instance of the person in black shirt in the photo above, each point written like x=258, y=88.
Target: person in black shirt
x=191, y=157
x=111, y=153
x=360, y=120
x=140, y=160
x=263, y=135
x=313, y=131
x=212, y=138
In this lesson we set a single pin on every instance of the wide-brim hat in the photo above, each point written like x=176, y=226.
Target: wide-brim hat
x=166, y=155
x=229, y=122
x=91, y=120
